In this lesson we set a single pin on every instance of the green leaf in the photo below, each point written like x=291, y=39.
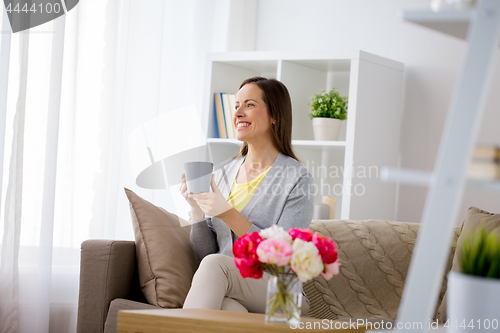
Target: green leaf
x=479, y=253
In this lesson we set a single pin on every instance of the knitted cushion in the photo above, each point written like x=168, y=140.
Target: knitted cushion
x=374, y=256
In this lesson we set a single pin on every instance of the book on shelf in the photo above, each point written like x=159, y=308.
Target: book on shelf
x=228, y=114
x=232, y=103
x=485, y=163
x=484, y=170
x=219, y=114
x=224, y=106
x=485, y=153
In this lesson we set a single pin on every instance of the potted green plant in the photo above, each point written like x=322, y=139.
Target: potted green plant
x=475, y=290
x=328, y=109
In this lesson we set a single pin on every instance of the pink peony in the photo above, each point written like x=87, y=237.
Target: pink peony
x=330, y=270
x=245, y=256
x=275, y=251
x=326, y=247
x=304, y=234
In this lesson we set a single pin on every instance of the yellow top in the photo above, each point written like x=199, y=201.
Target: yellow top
x=241, y=194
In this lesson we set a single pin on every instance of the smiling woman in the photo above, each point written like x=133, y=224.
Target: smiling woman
x=265, y=184
x=251, y=116
x=274, y=97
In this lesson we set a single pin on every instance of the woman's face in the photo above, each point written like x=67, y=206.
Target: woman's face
x=251, y=118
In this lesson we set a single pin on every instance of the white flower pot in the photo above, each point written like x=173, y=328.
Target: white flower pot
x=473, y=301
x=326, y=129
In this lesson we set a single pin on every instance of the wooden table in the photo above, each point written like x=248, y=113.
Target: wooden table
x=214, y=321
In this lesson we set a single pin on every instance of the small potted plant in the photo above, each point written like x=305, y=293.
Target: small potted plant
x=475, y=290
x=327, y=112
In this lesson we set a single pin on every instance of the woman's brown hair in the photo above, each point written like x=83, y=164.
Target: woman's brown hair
x=279, y=107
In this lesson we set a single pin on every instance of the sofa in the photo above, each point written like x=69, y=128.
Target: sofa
x=374, y=255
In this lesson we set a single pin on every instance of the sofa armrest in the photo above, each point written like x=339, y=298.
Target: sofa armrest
x=106, y=273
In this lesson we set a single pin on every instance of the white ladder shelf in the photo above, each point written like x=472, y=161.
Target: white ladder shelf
x=448, y=180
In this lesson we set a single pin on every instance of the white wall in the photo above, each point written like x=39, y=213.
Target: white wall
x=432, y=62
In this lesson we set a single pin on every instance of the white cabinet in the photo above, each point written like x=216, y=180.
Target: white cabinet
x=348, y=169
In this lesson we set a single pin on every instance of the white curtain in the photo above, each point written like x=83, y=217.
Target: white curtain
x=71, y=92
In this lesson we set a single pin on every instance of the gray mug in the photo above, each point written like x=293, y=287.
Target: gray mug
x=198, y=176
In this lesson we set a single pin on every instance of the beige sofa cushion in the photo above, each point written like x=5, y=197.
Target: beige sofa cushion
x=165, y=258
x=375, y=256
x=119, y=304
x=473, y=219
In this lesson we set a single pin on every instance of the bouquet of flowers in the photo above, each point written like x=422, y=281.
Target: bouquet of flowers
x=298, y=253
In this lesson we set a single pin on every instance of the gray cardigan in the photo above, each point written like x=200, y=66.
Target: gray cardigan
x=284, y=197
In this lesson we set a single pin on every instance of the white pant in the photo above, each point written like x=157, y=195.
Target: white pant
x=217, y=284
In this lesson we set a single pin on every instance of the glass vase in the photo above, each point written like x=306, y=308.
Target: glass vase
x=284, y=298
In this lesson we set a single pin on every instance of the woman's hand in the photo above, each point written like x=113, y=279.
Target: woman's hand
x=196, y=213
x=212, y=204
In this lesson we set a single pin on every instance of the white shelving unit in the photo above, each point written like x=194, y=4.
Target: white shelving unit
x=296, y=143
x=446, y=183
x=374, y=87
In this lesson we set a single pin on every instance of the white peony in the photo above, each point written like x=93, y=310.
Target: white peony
x=277, y=233
x=306, y=260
